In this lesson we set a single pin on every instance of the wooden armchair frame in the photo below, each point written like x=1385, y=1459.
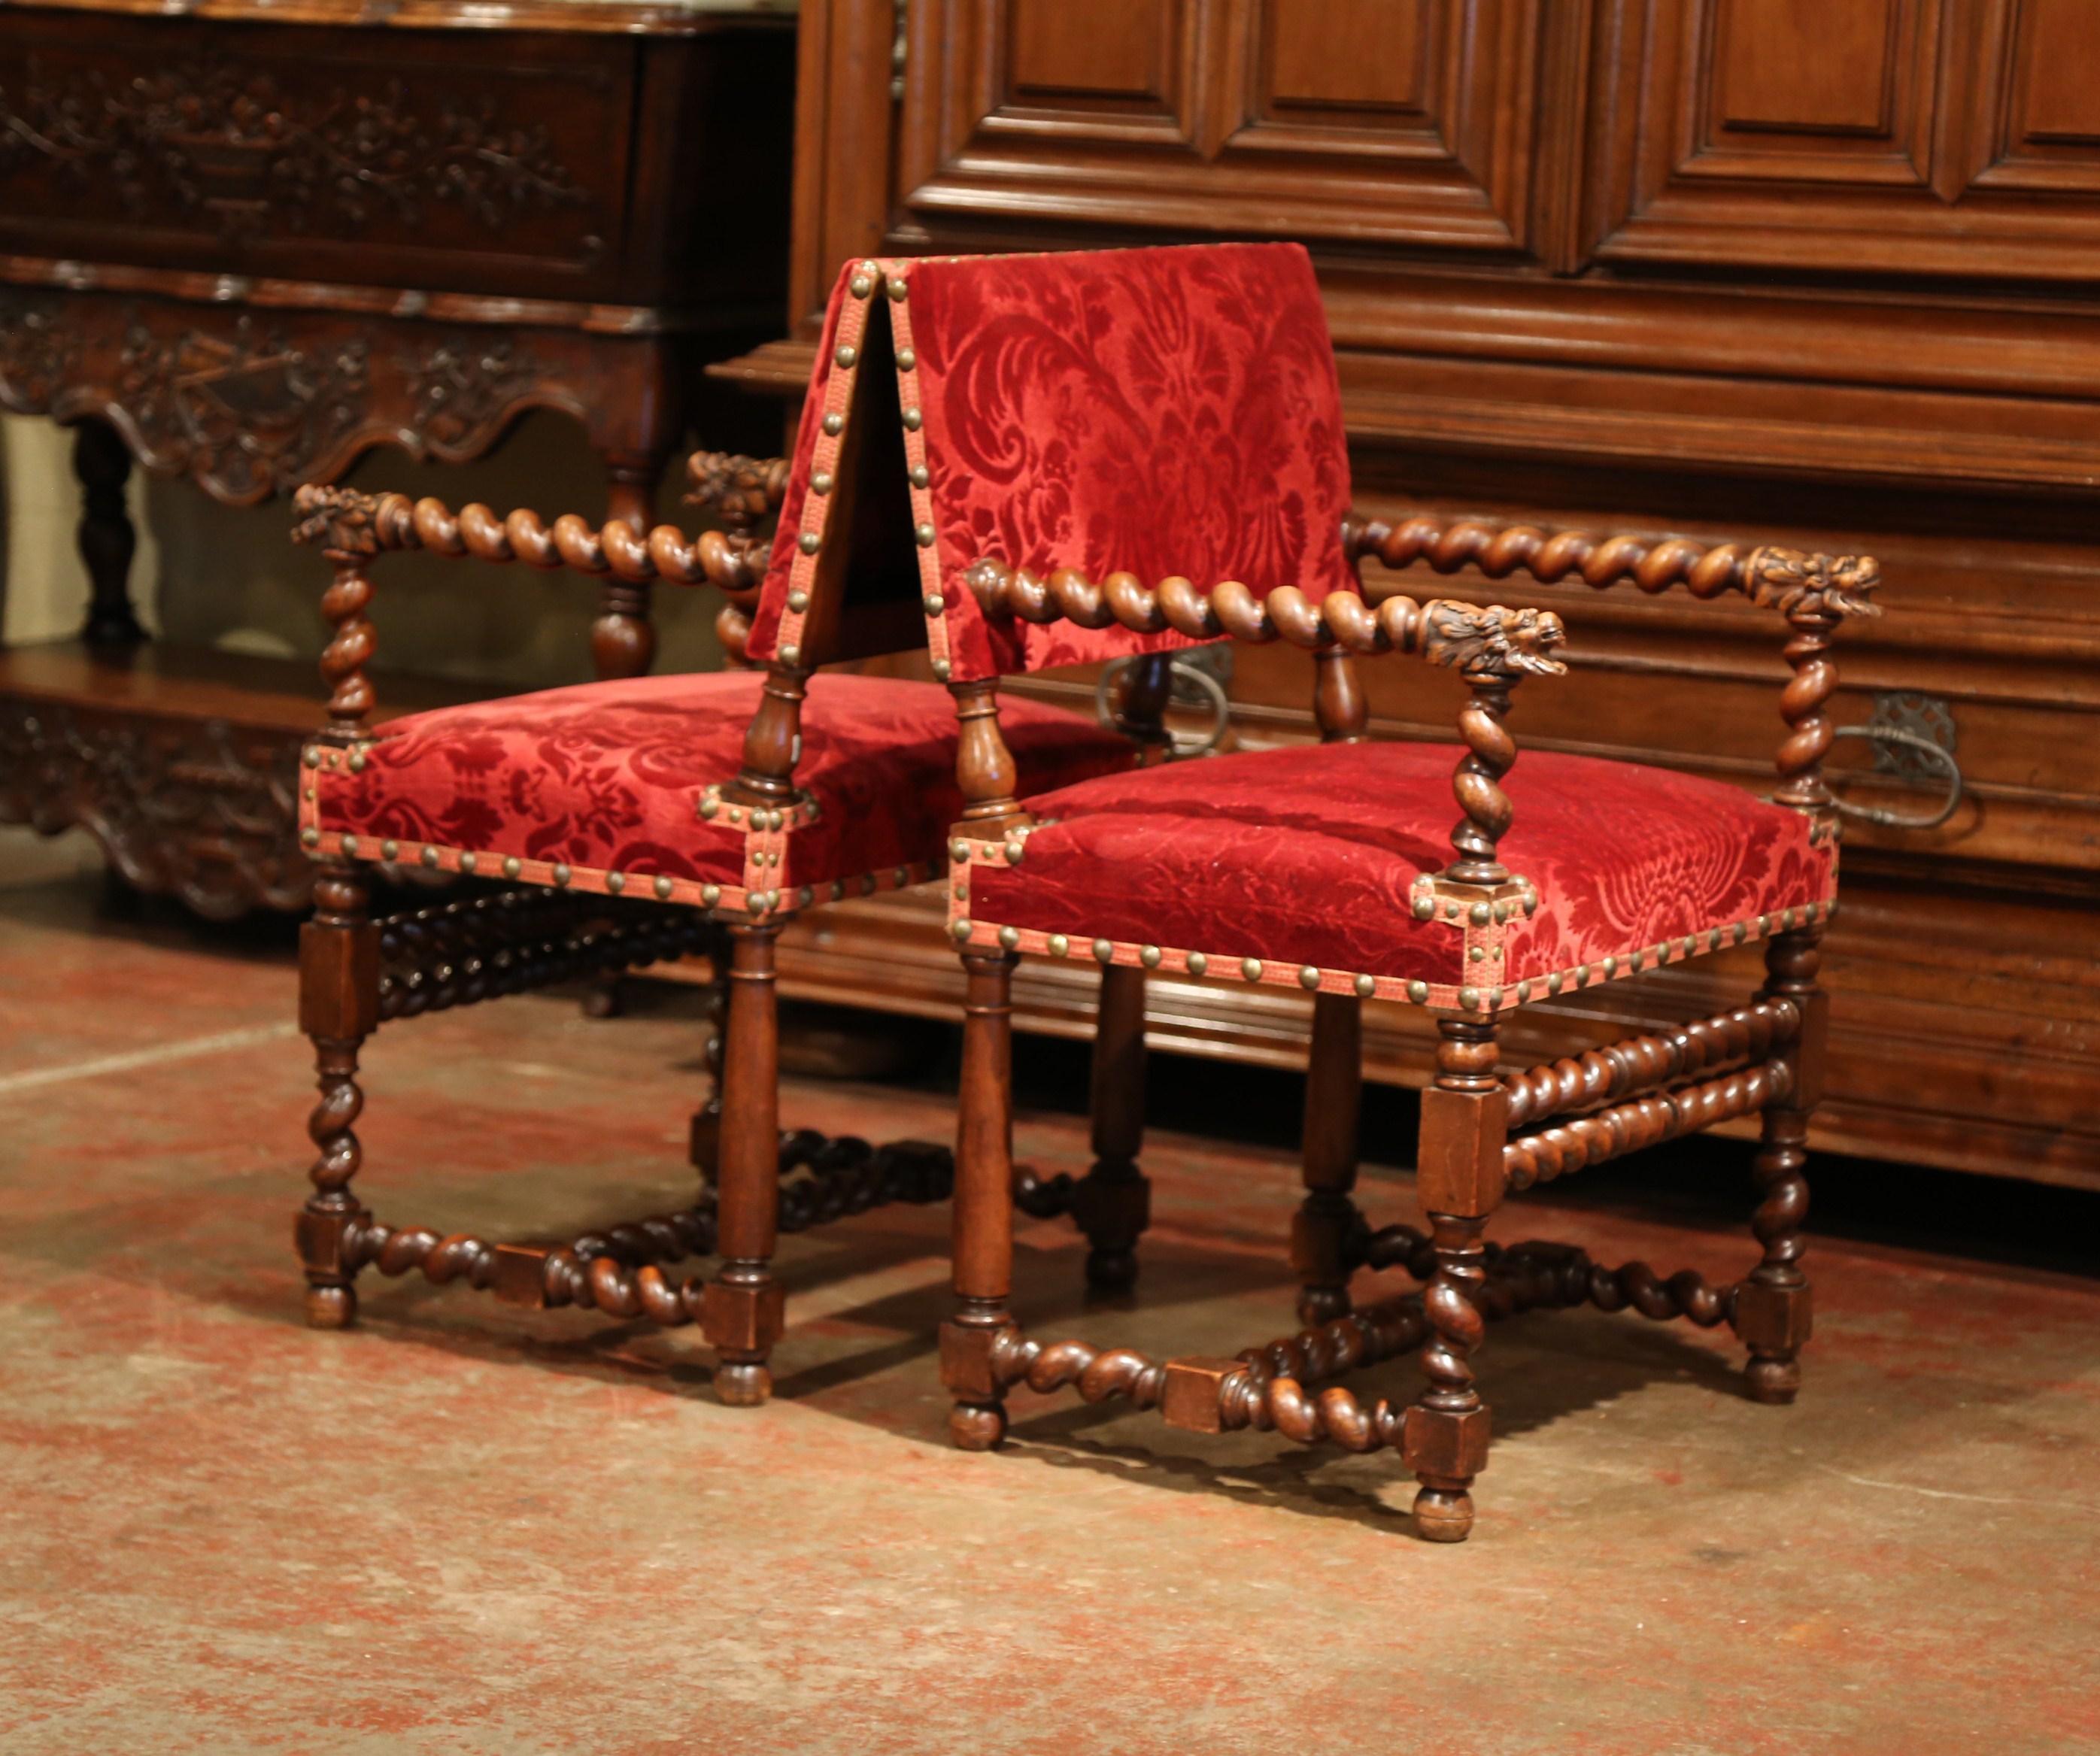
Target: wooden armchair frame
x=1484, y=1135
x=356, y=972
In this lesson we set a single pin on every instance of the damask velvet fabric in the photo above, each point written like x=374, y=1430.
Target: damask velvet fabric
x=1160, y=411
x=1308, y=856
x=610, y=776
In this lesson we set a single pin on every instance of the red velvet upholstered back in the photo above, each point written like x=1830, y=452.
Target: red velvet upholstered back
x=1156, y=412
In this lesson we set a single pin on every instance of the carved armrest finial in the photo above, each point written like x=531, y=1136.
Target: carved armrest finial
x=346, y=524
x=1817, y=587
x=1491, y=644
x=740, y=490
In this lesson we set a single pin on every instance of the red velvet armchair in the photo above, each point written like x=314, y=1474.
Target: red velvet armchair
x=1068, y=429
x=594, y=829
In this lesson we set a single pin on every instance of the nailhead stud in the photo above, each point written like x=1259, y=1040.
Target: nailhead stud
x=663, y=889
x=912, y=418
x=958, y=850
x=941, y=669
x=1059, y=945
x=1424, y=907
x=1198, y=963
x=821, y=482
x=1009, y=938
x=390, y=850
x=1478, y=954
x=561, y=876
x=897, y=288
x=468, y=862
x=791, y=656
x=861, y=285
x=349, y=845
x=1469, y=999
x=933, y=603
x=847, y=353
x=430, y=858
x=313, y=759
x=1148, y=955
x=616, y=882
x=710, y=894
x=905, y=359
x=312, y=837
x=920, y=476
x=925, y=534
x=357, y=762
x=1014, y=851
x=1104, y=951
x=1417, y=991
x=835, y=424
x=1366, y=987
x=1481, y=915
x=1308, y=976
x=1251, y=968
x=811, y=542
x=512, y=866
x=708, y=808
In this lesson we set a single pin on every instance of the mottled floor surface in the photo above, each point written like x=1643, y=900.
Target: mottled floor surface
x=464, y=1528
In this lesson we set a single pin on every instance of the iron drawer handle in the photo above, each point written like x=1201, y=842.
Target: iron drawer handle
x=1935, y=757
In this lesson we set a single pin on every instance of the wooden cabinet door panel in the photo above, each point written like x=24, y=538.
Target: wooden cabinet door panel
x=1407, y=121
x=1903, y=136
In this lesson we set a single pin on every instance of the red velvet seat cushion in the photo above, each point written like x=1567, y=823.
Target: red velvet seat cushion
x=611, y=779
x=1307, y=859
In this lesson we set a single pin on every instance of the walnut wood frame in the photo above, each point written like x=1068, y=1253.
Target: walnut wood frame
x=356, y=972
x=1765, y=1059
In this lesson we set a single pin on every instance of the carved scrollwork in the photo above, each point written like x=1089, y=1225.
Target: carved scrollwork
x=38, y=352
x=198, y=809
x=1492, y=642
x=463, y=387
x=224, y=140
x=1823, y=588
x=340, y=522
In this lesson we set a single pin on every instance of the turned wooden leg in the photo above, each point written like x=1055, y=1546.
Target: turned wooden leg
x=743, y=1307
x=108, y=543
x=338, y=1009
x=1112, y=1204
x=983, y=1213
x=1458, y=1178
x=1772, y=1312
x=623, y=638
x=705, y=1148
x=1325, y=1231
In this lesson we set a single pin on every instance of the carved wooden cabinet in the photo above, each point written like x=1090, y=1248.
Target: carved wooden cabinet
x=1821, y=270
x=245, y=240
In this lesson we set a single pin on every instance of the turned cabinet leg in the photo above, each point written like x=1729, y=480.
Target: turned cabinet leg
x=983, y=1211
x=1465, y=1117
x=1324, y=1234
x=338, y=1009
x=106, y=540
x=1772, y=1312
x=742, y=1310
x=1112, y=1204
x=706, y=1134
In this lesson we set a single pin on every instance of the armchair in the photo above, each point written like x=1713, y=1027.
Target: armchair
x=1069, y=426
x=598, y=828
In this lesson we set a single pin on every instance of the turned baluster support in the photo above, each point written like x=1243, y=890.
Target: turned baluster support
x=102, y=465
x=1327, y=1233
x=971, y=1367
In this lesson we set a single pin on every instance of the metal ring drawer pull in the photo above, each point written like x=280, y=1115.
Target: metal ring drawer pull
x=1935, y=757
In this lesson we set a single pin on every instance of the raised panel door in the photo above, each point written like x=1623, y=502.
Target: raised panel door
x=1903, y=136
x=1404, y=120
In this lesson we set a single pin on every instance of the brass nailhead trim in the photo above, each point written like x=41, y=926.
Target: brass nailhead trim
x=711, y=894
x=933, y=603
x=1366, y=986
x=821, y=483
x=897, y=288
x=1059, y=945
x=960, y=927
x=925, y=534
x=847, y=353
x=430, y=858
x=1148, y=955
x=468, y=862
x=920, y=476
x=1481, y=915
x=1308, y=977
x=512, y=866
x=1251, y=968
x=811, y=542
x=1104, y=951
x=389, y=851
x=940, y=669
x=1009, y=936
x=708, y=808
x=1417, y=991
x=312, y=837
x=1198, y=963
x=663, y=888
x=791, y=656
x=562, y=875
x=861, y=285
x=912, y=418
x=798, y=600
x=905, y=359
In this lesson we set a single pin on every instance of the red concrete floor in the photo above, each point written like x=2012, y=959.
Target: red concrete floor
x=462, y=1528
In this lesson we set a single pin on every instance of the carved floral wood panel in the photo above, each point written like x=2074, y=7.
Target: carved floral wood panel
x=245, y=153
x=1407, y=121
x=1932, y=136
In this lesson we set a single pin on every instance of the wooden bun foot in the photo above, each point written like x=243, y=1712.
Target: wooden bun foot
x=977, y=1426
x=1443, y=1514
x=1112, y=1270
x=331, y=1306
x=743, y=1384
x=1772, y=1380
